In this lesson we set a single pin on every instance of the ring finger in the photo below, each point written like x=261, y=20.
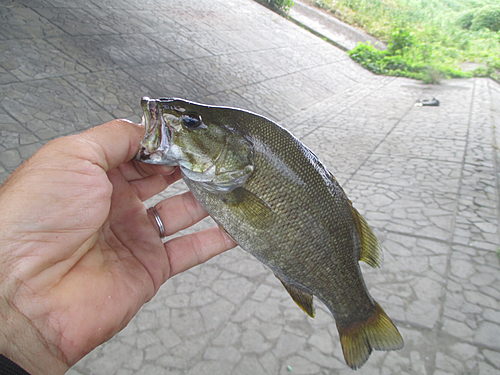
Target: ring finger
x=179, y=212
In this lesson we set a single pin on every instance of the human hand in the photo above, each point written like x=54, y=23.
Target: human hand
x=79, y=254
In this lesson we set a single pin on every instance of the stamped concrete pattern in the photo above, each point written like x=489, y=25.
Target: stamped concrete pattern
x=426, y=178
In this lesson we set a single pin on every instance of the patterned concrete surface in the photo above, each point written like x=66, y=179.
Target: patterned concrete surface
x=426, y=178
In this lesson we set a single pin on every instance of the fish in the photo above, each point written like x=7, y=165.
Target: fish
x=273, y=196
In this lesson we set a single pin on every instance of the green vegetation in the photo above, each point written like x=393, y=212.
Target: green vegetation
x=427, y=39
x=283, y=5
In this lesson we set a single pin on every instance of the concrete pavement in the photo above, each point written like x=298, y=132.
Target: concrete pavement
x=426, y=178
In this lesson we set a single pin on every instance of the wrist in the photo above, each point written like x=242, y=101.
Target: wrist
x=23, y=344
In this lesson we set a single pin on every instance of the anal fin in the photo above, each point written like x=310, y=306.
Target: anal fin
x=302, y=298
x=377, y=332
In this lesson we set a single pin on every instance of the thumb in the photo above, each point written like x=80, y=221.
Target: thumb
x=105, y=146
x=113, y=143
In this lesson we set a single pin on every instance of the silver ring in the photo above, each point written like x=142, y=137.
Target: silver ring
x=158, y=221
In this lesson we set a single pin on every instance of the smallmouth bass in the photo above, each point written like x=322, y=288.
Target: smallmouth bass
x=276, y=200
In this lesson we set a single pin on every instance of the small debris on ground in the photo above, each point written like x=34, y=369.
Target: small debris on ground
x=427, y=103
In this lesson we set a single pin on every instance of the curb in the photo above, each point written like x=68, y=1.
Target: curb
x=331, y=29
x=328, y=28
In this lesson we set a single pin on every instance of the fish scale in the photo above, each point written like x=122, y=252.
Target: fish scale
x=279, y=203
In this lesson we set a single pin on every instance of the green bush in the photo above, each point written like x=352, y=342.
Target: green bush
x=283, y=5
x=426, y=39
x=487, y=18
x=402, y=40
x=407, y=56
x=465, y=19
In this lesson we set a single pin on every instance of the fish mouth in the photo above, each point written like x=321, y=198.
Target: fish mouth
x=145, y=156
x=158, y=134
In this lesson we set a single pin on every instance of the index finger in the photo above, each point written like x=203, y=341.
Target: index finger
x=135, y=170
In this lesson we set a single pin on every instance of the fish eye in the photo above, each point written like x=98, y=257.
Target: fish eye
x=191, y=122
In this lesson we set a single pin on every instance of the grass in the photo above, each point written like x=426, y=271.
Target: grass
x=427, y=39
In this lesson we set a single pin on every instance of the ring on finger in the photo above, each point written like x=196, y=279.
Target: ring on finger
x=159, y=223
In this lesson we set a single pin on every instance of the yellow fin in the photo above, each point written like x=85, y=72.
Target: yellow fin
x=371, y=253
x=250, y=206
x=377, y=332
x=302, y=298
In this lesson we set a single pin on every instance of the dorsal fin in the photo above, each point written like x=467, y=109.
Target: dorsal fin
x=370, y=253
x=300, y=297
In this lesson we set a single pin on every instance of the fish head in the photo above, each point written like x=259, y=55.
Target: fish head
x=200, y=139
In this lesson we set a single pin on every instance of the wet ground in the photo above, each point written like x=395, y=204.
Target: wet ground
x=426, y=178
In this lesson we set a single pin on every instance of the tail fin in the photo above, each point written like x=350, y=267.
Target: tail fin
x=377, y=332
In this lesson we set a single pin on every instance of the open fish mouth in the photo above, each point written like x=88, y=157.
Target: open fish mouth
x=150, y=158
x=158, y=135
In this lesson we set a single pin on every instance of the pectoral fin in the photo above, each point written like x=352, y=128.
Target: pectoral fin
x=371, y=253
x=301, y=297
x=250, y=206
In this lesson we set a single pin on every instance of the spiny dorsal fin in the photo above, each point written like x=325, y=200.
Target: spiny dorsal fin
x=300, y=297
x=377, y=332
x=371, y=253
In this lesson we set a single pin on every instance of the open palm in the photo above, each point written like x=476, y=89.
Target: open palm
x=80, y=254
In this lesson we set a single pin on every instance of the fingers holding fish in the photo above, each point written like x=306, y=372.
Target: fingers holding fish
x=149, y=186
x=191, y=250
x=180, y=212
x=134, y=170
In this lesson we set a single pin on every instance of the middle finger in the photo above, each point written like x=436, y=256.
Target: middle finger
x=148, y=187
